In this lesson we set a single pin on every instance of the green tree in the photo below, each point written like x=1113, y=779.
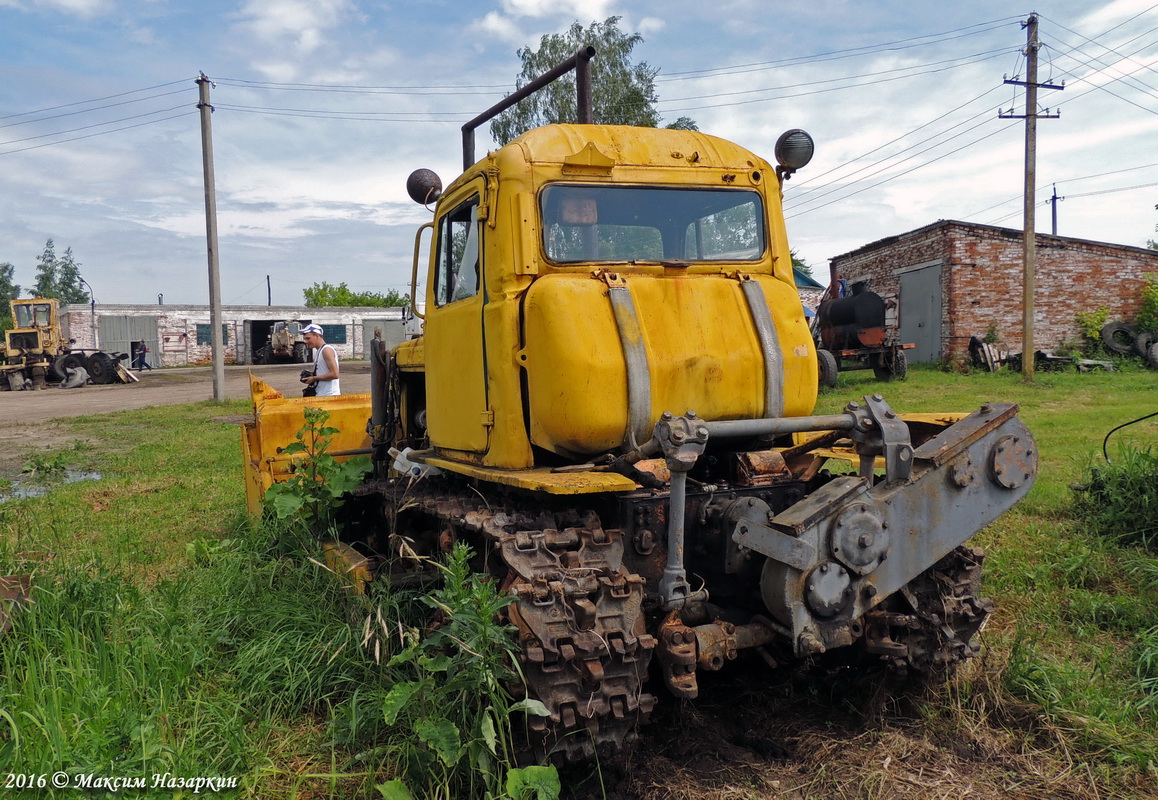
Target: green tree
x=622, y=92
x=683, y=124
x=801, y=264
x=8, y=291
x=59, y=277
x=326, y=294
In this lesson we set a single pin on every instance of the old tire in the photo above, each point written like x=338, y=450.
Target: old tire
x=1118, y=337
x=891, y=366
x=827, y=368
x=301, y=353
x=264, y=355
x=62, y=365
x=1152, y=356
x=101, y=368
x=1142, y=343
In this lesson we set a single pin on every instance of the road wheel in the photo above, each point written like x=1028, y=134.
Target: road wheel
x=891, y=366
x=301, y=352
x=1118, y=337
x=102, y=368
x=62, y=365
x=264, y=355
x=826, y=362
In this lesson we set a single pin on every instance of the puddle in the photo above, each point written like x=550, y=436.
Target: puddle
x=23, y=488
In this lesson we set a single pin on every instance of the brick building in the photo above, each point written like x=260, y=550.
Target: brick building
x=954, y=280
x=180, y=335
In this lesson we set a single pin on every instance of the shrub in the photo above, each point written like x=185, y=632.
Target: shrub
x=1148, y=315
x=1120, y=499
x=1091, y=323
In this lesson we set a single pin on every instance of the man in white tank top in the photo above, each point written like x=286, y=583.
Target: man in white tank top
x=325, y=376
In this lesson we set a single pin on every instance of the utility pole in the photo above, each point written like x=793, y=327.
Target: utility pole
x=203, y=85
x=1029, y=244
x=1053, y=201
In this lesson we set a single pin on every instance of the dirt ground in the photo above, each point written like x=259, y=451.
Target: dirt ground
x=163, y=387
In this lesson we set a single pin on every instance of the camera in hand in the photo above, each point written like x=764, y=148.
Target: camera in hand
x=310, y=389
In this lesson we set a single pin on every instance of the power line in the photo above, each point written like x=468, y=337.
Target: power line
x=94, y=100
x=358, y=89
x=739, y=69
x=100, y=133
x=898, y=175
x=818, y=91
x=88, y=110
x=980, y=56
x=90, y=127
x=365, y=116
x=807, y=183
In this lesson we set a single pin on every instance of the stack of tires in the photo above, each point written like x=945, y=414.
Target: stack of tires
x=1124, y=339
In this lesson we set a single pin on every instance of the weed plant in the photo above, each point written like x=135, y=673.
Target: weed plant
x=449, y=719
x=1120, y=497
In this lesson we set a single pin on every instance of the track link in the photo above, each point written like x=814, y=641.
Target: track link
x=945, y=612
x=584, y=650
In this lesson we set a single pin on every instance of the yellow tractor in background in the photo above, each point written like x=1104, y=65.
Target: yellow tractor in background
x=285, y=345
x=612, y=403
x=36, y=352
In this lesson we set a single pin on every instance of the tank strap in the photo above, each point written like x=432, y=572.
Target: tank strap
x=635, y=357
x=769, y=345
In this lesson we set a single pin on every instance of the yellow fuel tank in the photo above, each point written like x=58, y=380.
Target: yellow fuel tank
x=695, y=341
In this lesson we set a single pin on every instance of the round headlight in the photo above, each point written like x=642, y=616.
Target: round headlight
x=794, y=149
x=424, y=186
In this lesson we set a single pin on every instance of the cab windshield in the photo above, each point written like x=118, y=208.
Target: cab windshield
x=33, y=316
x=651, y=224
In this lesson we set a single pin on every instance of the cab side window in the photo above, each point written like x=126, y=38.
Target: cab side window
x=458, y=254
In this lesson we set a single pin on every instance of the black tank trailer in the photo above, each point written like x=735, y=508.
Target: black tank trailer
x=852, y=333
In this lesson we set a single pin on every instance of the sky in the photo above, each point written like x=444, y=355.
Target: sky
x=323, y=107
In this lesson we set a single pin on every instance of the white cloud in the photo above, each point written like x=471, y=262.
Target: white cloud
x=300, y=24
x=502, y=28
x=576, y=9
x=649, y=25
x=1112, y=14
x=82, y=8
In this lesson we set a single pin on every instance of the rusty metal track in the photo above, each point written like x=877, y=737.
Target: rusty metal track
x=584, y=650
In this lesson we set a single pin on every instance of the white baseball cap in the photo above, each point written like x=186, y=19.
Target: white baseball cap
x=313, y=327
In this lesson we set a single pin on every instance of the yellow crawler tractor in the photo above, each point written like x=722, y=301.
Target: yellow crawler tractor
x=36, y=351
x=612, y=402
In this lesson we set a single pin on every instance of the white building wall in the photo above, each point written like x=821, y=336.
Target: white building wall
x=177, y=328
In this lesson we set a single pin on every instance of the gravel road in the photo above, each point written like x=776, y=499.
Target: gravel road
x=163, y=387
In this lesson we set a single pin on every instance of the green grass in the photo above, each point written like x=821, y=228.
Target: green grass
x=171, y=636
